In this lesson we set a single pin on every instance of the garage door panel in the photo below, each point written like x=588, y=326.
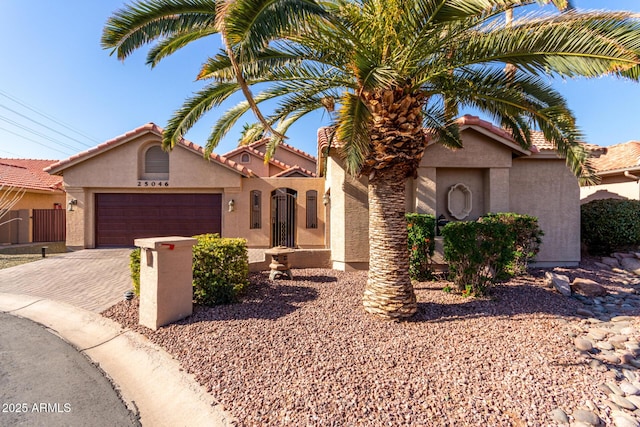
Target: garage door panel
x=122, y=218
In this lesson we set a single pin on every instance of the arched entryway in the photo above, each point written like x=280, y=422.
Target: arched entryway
x=283, y=217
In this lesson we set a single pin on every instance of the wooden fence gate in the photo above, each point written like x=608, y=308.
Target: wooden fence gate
x=49, y=225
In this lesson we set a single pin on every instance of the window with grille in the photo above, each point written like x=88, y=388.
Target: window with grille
x=156, y=161
x=256, y=209
x=312, y=209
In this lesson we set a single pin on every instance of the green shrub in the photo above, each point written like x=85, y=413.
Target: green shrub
x=421, y=243
x=527, y=237
x=610, y=225
x=134, y=267
x=220, y=269
x=476, y=253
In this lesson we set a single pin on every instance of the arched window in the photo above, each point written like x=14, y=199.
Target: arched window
x=244, y=158
x=312, y=209
x=255, y=214
x=156, y=161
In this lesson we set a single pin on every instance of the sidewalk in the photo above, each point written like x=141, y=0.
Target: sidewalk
x=66, y=293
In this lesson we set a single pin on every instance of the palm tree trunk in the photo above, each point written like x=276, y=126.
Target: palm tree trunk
x=389, y=292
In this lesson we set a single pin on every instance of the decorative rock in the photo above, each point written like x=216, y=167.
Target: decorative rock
x=632, y=265
x=629, y=330
x=611, y=262
x=587, y=417
x=560, y=416
x=629, y=388
x=615, y=389
x=588, y=287
x=598, y=334
x=603, y=265
x=559, y=281
x=626, y=358
x=622, y=419
x=611, y=358
x=618, y=341
x=604, y=388
x=583, y=344
x=634, y=399
x=622, y=402
x=604, y=345
x=584, y=312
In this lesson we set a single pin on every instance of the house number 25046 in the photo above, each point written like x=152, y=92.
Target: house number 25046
x=153, y=183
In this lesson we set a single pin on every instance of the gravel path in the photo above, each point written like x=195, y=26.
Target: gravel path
x=304, y=352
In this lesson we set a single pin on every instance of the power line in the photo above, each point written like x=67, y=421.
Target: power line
x=37, y=142
x=49, y=117
x=40, y=134
x=44, y=126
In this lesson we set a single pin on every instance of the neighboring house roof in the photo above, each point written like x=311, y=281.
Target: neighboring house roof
x=618, y=158
x=58, y=167
x=282, y=145
x=29, y=174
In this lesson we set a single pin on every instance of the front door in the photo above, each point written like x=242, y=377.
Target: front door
x=283, y=217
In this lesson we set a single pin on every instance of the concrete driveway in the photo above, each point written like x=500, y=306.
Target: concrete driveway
x=92, y=279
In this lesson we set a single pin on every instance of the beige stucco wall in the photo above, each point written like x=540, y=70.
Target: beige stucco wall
x=237, y=223
x=255, y=163
x=547, y=189
x=611, y=187
x=479, y=151
x=38, y=199
x=349, y=219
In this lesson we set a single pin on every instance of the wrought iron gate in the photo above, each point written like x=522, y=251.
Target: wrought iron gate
x=283, y=217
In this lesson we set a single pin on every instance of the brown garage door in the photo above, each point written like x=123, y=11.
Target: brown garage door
x=121, y=218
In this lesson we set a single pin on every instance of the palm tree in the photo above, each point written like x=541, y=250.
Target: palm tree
x=387, y=70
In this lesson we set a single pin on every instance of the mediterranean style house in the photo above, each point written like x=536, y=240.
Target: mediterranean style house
x=491, y=173
x=619, y=171
x=128, y=188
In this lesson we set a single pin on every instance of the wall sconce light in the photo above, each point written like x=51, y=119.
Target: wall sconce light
x=326, y=198
x=232, y=205
x=71, y=204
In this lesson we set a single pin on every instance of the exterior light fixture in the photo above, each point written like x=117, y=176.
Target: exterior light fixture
x=71, y=204
x=232, y=205
x=326, y=198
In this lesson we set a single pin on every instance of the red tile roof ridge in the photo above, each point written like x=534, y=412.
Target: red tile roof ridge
x=284, y=145
x=147, y=127
x=295, y=168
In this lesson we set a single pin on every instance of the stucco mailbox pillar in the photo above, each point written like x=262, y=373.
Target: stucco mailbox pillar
x=166, y=280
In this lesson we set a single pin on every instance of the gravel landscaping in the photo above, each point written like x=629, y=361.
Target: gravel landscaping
x=7, y=260
x=304, y=352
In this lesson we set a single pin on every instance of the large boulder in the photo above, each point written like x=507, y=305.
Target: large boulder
x=588, y=288
x=559, y=281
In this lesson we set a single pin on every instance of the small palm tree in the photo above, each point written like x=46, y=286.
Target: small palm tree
x=386, y=70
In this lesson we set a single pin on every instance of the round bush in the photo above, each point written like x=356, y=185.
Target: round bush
x=610, y=225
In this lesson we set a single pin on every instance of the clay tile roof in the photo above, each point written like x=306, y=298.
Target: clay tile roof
x=263, y=141
x=619, y=156
x=294, y=169
x=29, y=174
x=149, y=127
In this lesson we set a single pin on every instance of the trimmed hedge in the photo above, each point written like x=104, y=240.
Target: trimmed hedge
x=220, y=269
x=526, y=235
x=134, y=267
x=421, y=244
x=610, y=225
x=495, y=247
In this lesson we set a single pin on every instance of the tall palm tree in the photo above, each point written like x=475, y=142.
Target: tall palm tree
x=387, y=70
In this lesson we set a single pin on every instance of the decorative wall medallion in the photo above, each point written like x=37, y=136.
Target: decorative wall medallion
x=459, y=201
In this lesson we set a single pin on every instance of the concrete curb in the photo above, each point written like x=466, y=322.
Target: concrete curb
x=147, y=377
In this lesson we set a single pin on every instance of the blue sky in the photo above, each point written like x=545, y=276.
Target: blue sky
x=61, y=93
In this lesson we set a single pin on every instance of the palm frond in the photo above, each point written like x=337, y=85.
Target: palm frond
x=144, y=21
x=352, y=131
